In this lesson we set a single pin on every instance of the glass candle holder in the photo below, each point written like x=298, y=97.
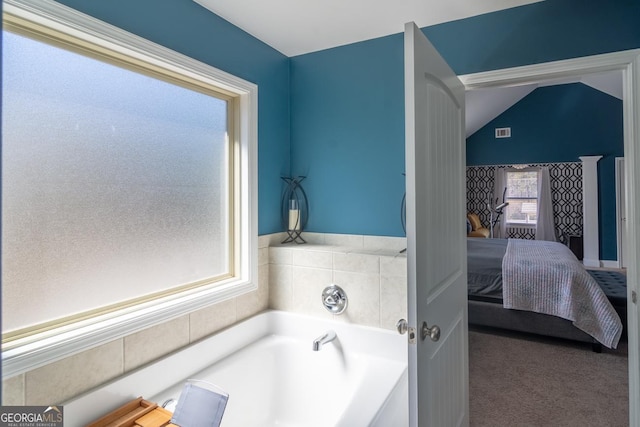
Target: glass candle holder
x=295, y=209
x=294, y=215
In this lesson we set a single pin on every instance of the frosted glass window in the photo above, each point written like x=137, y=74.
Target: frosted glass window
x=115, y=185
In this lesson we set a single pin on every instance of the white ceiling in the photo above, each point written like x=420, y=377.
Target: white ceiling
x=295, y=27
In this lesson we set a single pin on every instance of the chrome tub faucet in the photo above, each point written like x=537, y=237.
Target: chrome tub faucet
x=323, y=339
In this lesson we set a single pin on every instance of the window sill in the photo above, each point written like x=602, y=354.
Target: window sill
x=520, y=225
x=38, y=350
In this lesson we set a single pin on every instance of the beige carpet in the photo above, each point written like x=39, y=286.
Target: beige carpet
x=522, y=380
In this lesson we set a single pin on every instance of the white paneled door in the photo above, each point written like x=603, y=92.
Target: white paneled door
x=436, y=237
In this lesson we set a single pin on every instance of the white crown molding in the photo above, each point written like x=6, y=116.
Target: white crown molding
x=29, y=353
x=532, y=74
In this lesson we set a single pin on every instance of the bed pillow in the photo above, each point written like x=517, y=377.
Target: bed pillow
x=469, y=228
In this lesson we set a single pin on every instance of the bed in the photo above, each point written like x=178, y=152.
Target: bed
x=541, y=288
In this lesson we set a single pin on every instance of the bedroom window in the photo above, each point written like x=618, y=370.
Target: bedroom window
x=522, y=195
x=128, y=184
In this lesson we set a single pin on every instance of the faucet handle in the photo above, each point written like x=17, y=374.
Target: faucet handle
x=334, y=299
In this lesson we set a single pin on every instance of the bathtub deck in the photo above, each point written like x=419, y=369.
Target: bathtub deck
x=273, y=377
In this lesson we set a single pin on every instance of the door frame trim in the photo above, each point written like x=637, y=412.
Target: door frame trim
x=629, y=63
x=620, y=223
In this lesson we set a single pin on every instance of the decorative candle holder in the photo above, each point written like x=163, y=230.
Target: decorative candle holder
x=295, y=209
x=403, y=217
x=403, y=210
x=403, y=213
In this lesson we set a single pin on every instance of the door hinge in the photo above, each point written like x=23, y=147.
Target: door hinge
x=634, y=297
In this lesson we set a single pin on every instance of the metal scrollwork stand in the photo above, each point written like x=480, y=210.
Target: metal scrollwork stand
x=295, y=209
x=403, y=215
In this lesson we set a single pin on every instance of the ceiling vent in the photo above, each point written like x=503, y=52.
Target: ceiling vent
x=503, y=132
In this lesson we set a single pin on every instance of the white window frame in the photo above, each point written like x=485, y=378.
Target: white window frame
x=520, y=224
x=27, y=353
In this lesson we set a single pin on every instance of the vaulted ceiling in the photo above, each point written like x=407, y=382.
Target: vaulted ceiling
x=484, y=105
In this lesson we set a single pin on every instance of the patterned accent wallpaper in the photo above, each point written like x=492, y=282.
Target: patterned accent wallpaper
x=566, y=192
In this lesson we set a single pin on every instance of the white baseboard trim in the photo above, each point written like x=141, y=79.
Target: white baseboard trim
x=591, y=262
x=609, y=264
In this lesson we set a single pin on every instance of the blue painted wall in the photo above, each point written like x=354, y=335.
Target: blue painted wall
x=347, y=103
x=347, y=116
x=188, y=28
x=337, y=115
x=540, y=32
x=559, y=124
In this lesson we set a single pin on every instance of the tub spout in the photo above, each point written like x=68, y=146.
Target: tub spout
x=323, y=339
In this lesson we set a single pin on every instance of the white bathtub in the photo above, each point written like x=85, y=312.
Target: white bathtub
x=273, y=377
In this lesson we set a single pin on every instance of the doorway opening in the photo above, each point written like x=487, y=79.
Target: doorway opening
x=629, y=64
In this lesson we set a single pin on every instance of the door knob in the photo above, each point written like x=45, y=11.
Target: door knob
x=431, y=332
x=402, y=326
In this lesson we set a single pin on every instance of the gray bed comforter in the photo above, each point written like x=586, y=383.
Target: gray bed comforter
x=484, y=266
x=573, y=295
x=545, y=277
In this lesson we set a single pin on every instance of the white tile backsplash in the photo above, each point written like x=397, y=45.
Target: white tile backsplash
x=363, y=291
x=308, y=284
x=356, y=262
x=13, y=391
x=54, y=383
x=370, y=269
x=314, y=238
x=393, y=297
x=210, y=319
x=263, y=256
x=281, y=287
x=391, y=244
x=256, y=301
x=349, y=240
x=313, y=258
x=267, y=240
x=281, y=255
x=151, y=343
x=393, y=266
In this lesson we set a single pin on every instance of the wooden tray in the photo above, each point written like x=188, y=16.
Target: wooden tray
x=136, y=413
